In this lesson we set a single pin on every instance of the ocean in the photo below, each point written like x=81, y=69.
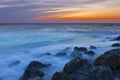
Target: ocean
x=27, y=42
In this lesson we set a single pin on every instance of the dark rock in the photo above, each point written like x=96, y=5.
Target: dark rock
x=78, y=51
x=117, y=38
x=73, y=64
x=16, y=62
x=48, y=53
x=100, y=73
x=62, y=53
x=77, y=54
x=116, y=45
x=60, y=76
x=83, y=49
x=36, y=78
x=110, y=58
x=90, y=52
x=32, y=71
x=116, y=74
x=92, y=47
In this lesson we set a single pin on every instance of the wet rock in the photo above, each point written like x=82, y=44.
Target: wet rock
x=78, y=51
x=116, y=45
x=36, y=78
x=60, y=76
x=47, y=53
x=100, y=73
x=32, y=71
x=90, y=53
x=77, y=54
x=77, y=69
x=62, y=53
x=117, y=74
x=73, y=64
x=116, y=79
x=117, y=38
x=110, y=58
x=16, y=62
x=92, y=47
x=83, y=49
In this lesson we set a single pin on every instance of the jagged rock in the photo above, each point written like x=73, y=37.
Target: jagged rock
x=83, y=49
x=110, y=58
x=32, y=71
x=92, y=47
x=78, y=51
x=90, y=52
x=47, y=53
x=100, y=73
x=73, y=64
x=117, y=38
x=60, y=76
x=116, y=45
x=62, y=53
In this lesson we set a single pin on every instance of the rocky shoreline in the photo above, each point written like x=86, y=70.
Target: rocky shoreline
x=104, y=67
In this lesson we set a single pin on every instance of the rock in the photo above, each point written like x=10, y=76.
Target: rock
x=73, y=64
x=100, y=73
x=90, y=53
x=16, y=62
x=36, y=78
x=110, y=58
x=78, y=51
x=116, y=79
x=116, y=74
x=32, y=71
x=83, y=49
x=77, y=54
x=60, y=76
x=116, y=45
x=92, y=47
x=62, y=53
x=47, y=53
x=117, y=38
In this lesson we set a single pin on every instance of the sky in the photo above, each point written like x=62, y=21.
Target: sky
x=59, y=11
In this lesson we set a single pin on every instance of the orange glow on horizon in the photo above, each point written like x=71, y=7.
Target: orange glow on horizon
x=81, y=16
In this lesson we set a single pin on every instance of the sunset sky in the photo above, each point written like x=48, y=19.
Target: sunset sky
x=55, y=11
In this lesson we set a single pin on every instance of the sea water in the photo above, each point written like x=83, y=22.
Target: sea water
x=27, y=42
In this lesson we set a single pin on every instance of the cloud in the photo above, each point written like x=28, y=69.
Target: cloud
x=28, y=9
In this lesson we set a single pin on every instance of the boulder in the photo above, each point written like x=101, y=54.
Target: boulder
x=62, y=53
x=83, y=49
x=36, y=78
x=100, y=73
x=117, y=38
x=90, y=53
x=74, y=64
x=78, y=51
x=32, y=71
x=92, y=47
x=60, y=76
x=110, y=58
x=116, y=45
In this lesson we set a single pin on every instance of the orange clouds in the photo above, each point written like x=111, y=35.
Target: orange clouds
x=108, y=10
x=82, y=16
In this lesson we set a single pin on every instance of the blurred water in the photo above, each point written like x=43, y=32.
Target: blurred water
x=26, y=41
